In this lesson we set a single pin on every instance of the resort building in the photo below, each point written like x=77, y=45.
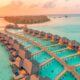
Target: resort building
x=36, y=55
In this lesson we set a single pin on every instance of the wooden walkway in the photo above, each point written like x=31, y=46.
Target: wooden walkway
x=36, y=53
x=60, y=50
x=61, y=74
x=70, y=56
x=54, y=45
x=77, y=65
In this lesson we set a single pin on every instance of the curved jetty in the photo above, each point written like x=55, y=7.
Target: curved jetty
x=36, y=55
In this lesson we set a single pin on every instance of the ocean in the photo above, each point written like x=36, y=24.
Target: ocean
x=64, y=26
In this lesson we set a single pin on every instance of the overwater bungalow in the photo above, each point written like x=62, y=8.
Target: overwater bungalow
x=6, y=38
x=35, y=77
x=19, y=73
x=13, y=52
x=48, y=36
x=24, y=53
x=55, y=38
x=31, y=31
x=42, y=34
x=37, y=62
x=35, y=33
x=31, y=66
x=16, y=46
x=63, y=41
x=26, y=30
x=73, y=44
x=1, y=39
x=17, y=61
x=79, y=49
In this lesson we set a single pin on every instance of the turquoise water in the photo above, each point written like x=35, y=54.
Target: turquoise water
x=56, y=48
x=43, y=42
x=5, y=69
x=51, y=69
x=65, y=53
x=73, y=60
x=19, y=40
x=68, y=27
x=41, y=57
x=78, y=69
x=68, y=76
x=26, y=44
x=34, y=49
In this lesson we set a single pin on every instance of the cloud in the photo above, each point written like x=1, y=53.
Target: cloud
x=34, y=5
x=17, y=2
x=67, y=0
x=49, y=4
x=77, y=6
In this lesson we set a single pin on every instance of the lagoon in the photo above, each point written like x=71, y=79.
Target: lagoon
x=66, y=27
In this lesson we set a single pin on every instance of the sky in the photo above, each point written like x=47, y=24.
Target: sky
x=41, y=6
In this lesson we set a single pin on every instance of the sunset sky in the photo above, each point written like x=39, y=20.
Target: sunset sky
x=24, y=7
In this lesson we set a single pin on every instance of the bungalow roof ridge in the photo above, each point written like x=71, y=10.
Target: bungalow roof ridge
x=46, y=61
x=37, y=52
x=72, y=55
x=53, y=45
x=30, y=46
x=60, y=50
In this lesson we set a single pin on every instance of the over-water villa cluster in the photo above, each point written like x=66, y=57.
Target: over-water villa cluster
x=36, y=55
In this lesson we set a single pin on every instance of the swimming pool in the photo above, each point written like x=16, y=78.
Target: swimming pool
x=34, y=49
x=77, y=69
x=43, y=42
x=52, y=69
x=65, y=53
x=68, y=76
x=74, y=60
x=58, y=47
x=41, y=57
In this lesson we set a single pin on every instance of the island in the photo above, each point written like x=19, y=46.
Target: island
x=27, y=19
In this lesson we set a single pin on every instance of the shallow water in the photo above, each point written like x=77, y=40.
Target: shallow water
x=65, y=27
x=5, y=69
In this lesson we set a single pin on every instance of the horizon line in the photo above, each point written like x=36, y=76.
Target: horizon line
x=46, y=15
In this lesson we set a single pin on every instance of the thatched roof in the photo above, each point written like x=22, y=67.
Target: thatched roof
x=64, y=39
x=42, y=33
x=74, y=43
x=49, y=34
x=56, y=36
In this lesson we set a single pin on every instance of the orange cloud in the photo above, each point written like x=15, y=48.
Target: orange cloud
x=48, y=7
